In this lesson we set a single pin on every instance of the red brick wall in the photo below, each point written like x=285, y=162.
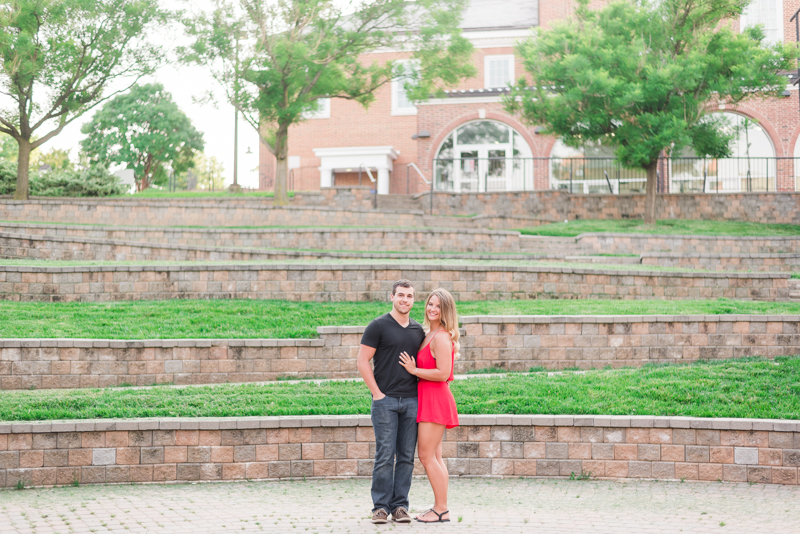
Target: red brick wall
x=352, y=125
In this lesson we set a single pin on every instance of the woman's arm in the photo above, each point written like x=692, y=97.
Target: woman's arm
x=441, y=345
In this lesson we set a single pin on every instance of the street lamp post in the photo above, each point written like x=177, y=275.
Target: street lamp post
x=235, y=187
x=796, y=20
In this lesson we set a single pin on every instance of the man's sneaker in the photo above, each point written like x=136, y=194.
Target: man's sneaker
x=400, y=515
x=380, y=516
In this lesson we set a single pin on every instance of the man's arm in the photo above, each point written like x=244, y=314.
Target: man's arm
x=365, y=354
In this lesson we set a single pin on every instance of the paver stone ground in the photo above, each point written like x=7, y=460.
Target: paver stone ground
x=478, y=505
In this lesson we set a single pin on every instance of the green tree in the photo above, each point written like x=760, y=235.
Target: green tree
x=145, y=130
x=59, y=57
x=277, y=59
x=8, y=148
x=639, y=76
x=57, y=159
x=210, y=173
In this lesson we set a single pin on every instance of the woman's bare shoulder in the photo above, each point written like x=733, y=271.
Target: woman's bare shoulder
x=442, y=342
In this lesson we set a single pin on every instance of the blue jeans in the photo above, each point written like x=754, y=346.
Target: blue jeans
x=394, y=421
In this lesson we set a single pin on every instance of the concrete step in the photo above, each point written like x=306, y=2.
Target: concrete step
x=794, y=289
x=549, y=245
x=398, y=203
x=448, y=222
x=621, y=260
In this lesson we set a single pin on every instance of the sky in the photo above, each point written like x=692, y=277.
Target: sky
x=187, y=83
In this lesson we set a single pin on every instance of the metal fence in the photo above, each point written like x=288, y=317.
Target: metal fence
x=606, y=175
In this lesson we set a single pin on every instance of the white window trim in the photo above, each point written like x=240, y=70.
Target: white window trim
x=324, y=111
x=396, y=84
x=743, y=23
x=508, y=57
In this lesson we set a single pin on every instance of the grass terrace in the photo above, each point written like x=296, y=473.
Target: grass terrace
x=733, y=388
x=270, y=319
x=665, y=227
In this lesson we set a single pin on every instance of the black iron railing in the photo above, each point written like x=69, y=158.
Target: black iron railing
x=606, y=175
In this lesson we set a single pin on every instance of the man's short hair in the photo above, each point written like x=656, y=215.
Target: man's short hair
x=401, y=283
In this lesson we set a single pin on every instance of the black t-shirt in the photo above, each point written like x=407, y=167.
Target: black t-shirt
x=389, y=339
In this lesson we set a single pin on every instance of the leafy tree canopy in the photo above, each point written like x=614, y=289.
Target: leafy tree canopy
x=639, y=76
x=145, y=130
x=277, y=58
x=59, y=57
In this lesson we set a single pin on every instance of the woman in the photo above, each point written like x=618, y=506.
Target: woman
x=437, y=407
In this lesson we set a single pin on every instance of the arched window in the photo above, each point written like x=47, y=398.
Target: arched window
x=751, y=166
x=483, y=155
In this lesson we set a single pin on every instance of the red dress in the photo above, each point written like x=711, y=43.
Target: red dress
x=435, y=401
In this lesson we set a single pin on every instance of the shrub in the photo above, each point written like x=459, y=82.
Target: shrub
x=8, y=178
x=94, y=181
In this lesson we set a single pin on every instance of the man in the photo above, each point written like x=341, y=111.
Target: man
x=394, y=403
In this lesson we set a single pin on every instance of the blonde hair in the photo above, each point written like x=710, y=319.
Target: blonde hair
x=448, y=316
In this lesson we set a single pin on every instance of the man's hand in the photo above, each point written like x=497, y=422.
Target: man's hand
x=378, y=397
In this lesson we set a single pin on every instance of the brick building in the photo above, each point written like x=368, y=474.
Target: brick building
x=466, y=142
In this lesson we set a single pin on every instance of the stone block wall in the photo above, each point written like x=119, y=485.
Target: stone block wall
x=555, y=206
x=773, y=263
x=225, y=212
x=686, y=244
x=515, y=343
x=368, y=239
x=518, y=343
x=363, y=282
x=92, y=363
x=184, y=450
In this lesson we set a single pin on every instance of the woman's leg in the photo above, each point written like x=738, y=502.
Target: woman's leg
x=443, y=464
x=429, y=446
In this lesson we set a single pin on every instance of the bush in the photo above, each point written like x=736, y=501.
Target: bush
x=8, y=178
x=95, y=181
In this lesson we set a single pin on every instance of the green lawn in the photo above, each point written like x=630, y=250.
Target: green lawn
x=735, y=388
x=666, y=227
x=224, y=319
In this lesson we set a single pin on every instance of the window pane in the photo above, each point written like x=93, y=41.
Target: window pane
x=483, y=132
x=401, y=97
x=767, y=13
x=401, y=100
x=499, y=72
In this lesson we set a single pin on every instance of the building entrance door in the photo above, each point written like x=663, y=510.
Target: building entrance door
x=482, y=168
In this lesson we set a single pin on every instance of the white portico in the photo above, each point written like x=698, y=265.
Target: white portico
x=353, y=158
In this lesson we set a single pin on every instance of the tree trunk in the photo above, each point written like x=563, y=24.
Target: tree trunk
x=282, y=168
x=23, y=171
x=650, y=193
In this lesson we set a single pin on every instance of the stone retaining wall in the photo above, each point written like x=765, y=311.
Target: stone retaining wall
x=516, y=343
x=184, y=450
x=234, y=212
x=785, y=263
x=362, y=282
x=555, y=206
x=92, y=363
x=34, y=247
x=368, y=239
x=686, y=244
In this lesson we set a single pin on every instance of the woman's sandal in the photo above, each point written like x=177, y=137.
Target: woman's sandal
x=440, y=520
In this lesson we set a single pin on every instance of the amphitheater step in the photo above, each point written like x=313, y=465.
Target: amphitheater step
x=448, y=222
x=620, y=260
x=549, y=245
x=794, y=289
x=398, y=203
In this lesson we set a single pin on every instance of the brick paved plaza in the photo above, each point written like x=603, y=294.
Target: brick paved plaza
x=341, y=506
